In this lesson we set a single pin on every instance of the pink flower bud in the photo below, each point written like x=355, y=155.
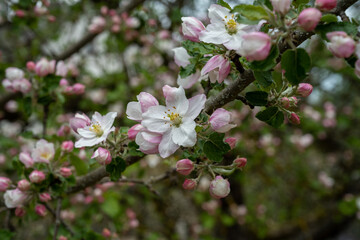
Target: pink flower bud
x=189, y=184
x=20, y=212
x=293, y=101
x=219, y=187
x=68, y=90
x=231, y=141
x=97, y=25
x=256, y=46
x=146, y=101
x=148, y=141
x=240, y=162
x=4, y=183
x=152, y=22
x=191, y=28
x=116, y=19
x=61, y=69
x=23, y=185
x=40, y=210
x=20, y=13
x=294, y=119
x=104, y=10
x=67, y=146
x=44, y=197
x=106, y=233
x=63, y=82
x=26, y=159
x=115, y=28
x=134, y=130
x=102, y=155
x=37, y=176
x=325, y=5
x=218, y=68
x=63, y=131
x=341, y=45
x=78, y=88
x=51, y=18
x=112, y=12
x=184, y=166
x=304, y=89
x=220, y=120
x=309, y=18
x=79, y=121
x=44, y=67
x=63, y=238
x=30, y=66
x=285, y=102
x=281, y=6
x=65, y=172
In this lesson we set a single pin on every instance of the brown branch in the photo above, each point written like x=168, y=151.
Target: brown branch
x=90, y=36
x=54, y=214
x=57, y=218
x=342, y=6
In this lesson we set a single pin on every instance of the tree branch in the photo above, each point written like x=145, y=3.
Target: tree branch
x=70, y=230
x=57, y=218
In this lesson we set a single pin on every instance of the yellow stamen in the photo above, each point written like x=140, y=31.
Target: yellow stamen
x=96, y=128
x=231, y=26
x=175, y=118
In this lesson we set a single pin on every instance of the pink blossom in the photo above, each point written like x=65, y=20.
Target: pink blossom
x=104, y=10
x=191, y=28
x=44, y=151
x=102, y=155
x=26, y=159
x=304, y=89
x=218, y=68
x=20, y=212
x=231, y=141
x=240, y=162
x=281, y=6
x=65, y=172
x=63, y=238
x=4, y=183
x=220, y=120
x=134, y=130
x=148, y=141
x=23, y=185
x=20, y=13
x=44, y=197
x=61, y=69
x=341, y=45
x=219, y=187
x=134, y=110
x=325, y=5
x=184, y=166
x=51, y=18
x=285, y=102
x=106, y=233
x=21, y=85
x=79, y=121
x=40, y=210
x=30, y=65
x=78, y=88
x=67, y=146
x=189, y=184
x=36, y=176
x=44, y=67
x=255, y=47
x=294, y=119
x=309, y=18
x=63, y=131
x=13, y=73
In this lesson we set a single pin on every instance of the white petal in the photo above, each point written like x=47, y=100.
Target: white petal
x=189, y=81
x=86, y=133
x=155, y=119
x=133, y=111
x=96, y=117
x=108, y=120
x=196, y=104
x=87, y=142
x=217, y=13
x=181, y=56
x=167, y=146
x=176, y=99
x=215, y=33
x=185, y=135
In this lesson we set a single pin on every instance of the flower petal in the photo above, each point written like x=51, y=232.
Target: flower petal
x=213, y=63
x=196, y=104
x=87, y=142
x=176, y=99
x=86, y=133
x=189, y=81
x=133, y=111
x=181, y=57
x=155, y=119
x=217, y=13
x=167, y=146
x=185, y=135
x=108, y=120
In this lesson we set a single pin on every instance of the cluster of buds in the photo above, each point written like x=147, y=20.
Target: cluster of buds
x=15, y=81
x=76, y=89
x=37, y=11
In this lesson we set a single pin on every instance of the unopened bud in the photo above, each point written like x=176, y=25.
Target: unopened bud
x=309, y=18
x=40, y=210
x=184, y=166
x=231, y=141
x=304, y=89
x=219, y=187
x=294, y=119
x=65, y=172
x=23, y=185
x=240, y=162
x=44, y=197
x=189, y=184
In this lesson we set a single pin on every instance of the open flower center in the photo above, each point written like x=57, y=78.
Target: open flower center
x=175, y=118
x=45, y=155
x=96, y=128
x=230, y=24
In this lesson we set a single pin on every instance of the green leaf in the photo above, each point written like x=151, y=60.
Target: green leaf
x=263, y=78
x=111, y=206
x=251, y=12
x=215, y=147
x=277, y=120
x=6, y=234
x=267, y=3
x=268, y=63
x=45, y=99
x=196, y=48
x=115, y=168
x=296, y=64
x=224, y=4
x=257, y=98
x=133, y=150
x=81, y=167
x=188, y=70
x=267, y=114
x=297, y=3
x=329, y=18
x=347, y=27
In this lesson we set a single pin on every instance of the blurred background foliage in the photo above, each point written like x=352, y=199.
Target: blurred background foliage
x=301, y=182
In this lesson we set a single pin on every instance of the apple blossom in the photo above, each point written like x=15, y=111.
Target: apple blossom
x=220, y=120
x=20, y=212
x=309, y=18
x=341, y=45
x=224, y=29
x=240, y=162
x=44, y=197
x=294, y=119
x=21, y=85
x=44, y=67
x=281, y=6
x=256, y=46
x=61, y=69
x=65, y=172
x=191, y=28
x=134, y=130
x=30, y=65
x=40, y=210
x=79, y=121
x=189, y=184
x=44, y=151
x=15, y=198
x=102, y=155
x=184, y=166
x=67, y=146
x=148, y=141
x=134, y=110
x=13, y=73
x=78, y=88
x=231, y=141
x=104, y=10
x=4, y=183
x=219, y=187
x=36, y=176
x=97, y=24
x=326, y=5
x=26, y=159
x=175, y=121
x=304, y=89
x=20, y=13
x=23, y=185
x=7, y=84
x=218, y=68
x=98, y=131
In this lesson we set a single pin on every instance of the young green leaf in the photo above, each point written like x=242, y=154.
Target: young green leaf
x=257, y=98
x=296, y=64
